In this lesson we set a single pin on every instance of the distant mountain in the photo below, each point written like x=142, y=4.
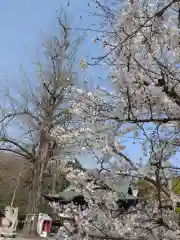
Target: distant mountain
x=10, y=168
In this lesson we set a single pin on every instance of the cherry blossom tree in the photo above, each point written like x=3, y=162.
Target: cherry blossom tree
x=141, y=44
x=104, y=218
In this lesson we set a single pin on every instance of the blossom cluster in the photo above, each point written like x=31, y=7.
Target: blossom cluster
x=103, y=217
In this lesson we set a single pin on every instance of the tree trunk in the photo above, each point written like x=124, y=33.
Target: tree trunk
x=30, y=226
x=54, y=183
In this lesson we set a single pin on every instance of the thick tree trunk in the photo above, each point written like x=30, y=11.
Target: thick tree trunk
x=30, y=226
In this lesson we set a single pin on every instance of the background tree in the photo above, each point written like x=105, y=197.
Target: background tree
x=29, y=115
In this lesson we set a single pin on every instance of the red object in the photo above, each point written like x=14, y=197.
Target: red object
x=46, y=226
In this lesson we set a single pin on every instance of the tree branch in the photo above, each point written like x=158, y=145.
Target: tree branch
x=153, y=182
x=14, y=151
x=17, y=145
x=149, y=120
x=13, y=115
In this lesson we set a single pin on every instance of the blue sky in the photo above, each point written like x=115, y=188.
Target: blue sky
x=25, y=24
